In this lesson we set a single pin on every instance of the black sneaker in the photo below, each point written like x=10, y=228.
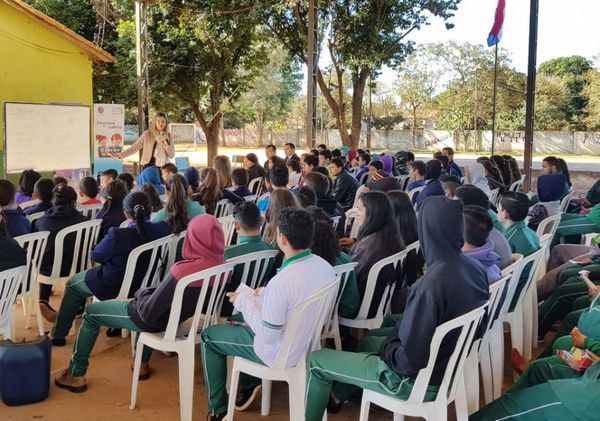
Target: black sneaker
x=113, y=333
x=333, y=407
x=216, y=417
x=59, y=342
x=245, y=398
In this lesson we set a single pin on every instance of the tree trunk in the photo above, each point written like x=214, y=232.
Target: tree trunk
x=211, y=132
x=336, y=109
x=260, y=129
x=358, y=92
x=414, y=127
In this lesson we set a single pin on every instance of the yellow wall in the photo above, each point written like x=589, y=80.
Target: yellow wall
x=52, y=70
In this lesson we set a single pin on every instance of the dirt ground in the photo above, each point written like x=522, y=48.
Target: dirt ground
x=109, y=388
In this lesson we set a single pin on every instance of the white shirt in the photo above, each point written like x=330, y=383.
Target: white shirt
x=267, y=314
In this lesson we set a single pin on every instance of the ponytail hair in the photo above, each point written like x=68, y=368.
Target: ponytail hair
x=137, y=205
x=64, y=195
x=177, y=213
x=116, y=191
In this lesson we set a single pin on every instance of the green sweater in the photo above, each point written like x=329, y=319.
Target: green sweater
x=193, y=209
x=350, y=301
x=497, y=224
x=593, y=194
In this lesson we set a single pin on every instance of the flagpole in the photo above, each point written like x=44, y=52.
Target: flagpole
x=494, y=103
x=530, y=103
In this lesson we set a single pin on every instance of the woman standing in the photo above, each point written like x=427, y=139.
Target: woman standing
x=156, y=144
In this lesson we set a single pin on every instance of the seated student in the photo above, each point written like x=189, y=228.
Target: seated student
x=42, y=191
x=363, y=163
x=512, y=211
x=306, y=196
x=11, y=253
x=450, y=183
x=104, y=280
x=277, y=179
x=308, y=163
x=378, y=238
x=433, y=186
x=266, y=314
x=344, y=186
x=27, y=181
x=326, y=246
x=16, y=221
x=222, y=166
x=376, y=171
x=128, y=180
x=592, y=197
x=475, y=175
x=149, y=309
x=492, y=174
x=325, y=172
x=293, y=166
x=388, y=164
x=453, y=168
x=209, y=192
x=445, y=162
x=452, y=286
x=417, y=175
x=325, y=158
x=192, y=176
x=112, y=214
x=274, y=161
x=180, y=209
x=472, y=196
x=88, y=190
x=106, y=177
x=280, y=200
x=239, y=180
x=478, y=244
x=550, y=189
x=247, y=225
x=155, y=201
x=320, y=184
x=61, y=215
x=574, y=226
x=151, y=175
x=168, y=170
x=253, y=167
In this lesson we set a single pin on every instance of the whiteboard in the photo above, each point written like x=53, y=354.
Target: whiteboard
x=46, y=137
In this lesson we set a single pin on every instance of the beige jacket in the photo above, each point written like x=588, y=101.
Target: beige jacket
x=165, y=149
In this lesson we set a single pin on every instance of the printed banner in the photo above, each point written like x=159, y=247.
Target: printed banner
x=109, y=128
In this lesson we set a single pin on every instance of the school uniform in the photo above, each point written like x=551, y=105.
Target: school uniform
x=488, y=258
x=350, y=300
x=362, y=170
x=111, y=217
x=38, y=207
x=231, y=196
x=11, y=253
x=593, y=194
x=16, y=222
x=193, y=209
x=242, y=191
x=497, y=224
x=415, y=184
x=90, y=202
x=454, y=169
x=452, y=286
x=151, y=175
x=21, y=198
x=104, y=281
x=432, y=188
x=267, y=315
x=255, y=171
x=329, y=205
x=525, y=241
x=571, y=224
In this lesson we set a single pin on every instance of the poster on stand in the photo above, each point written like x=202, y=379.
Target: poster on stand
x=109, y=129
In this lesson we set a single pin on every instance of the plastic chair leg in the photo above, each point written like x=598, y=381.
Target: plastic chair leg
x=186, y=383
x=516, y=334
x=398, y=417
x=297, y=396
x=265, y=403
x=535, y=318
x=527, y=328
x=38, y=316
x=497, y=361
x=460, y=401
x=235, y=376
x=486, y=373
x=135, y=379
x=364, y=410
x=471, y=382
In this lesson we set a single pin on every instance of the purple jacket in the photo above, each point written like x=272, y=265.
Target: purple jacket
x=488, y=258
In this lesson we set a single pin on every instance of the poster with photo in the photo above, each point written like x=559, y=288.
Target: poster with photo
x=109, y=128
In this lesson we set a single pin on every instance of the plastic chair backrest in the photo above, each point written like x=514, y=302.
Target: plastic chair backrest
x=224, y=208
x=564, y=203
x=494, y=196
x=228, y=224
x=403, y=180
x=86, y=235
x=252, y=198
x=29, y=204
x=89, y=211
x=588, y=239
x=177, y=238
x=124, y=224
x=496, y=292
x=34, y=244
x=363, y=178
x=549, y=225
x=517, y=269
x=319, y=305
x=10, y=280
x=35, y=216
x=466, y=325
x=352, y=220
x=343, y=273
x=255, y=186
x=335, y=220
x=414, y=191
x=213, y=283
x=158, y=251
x=255, y=266
x=517, y=186
x=394, y=260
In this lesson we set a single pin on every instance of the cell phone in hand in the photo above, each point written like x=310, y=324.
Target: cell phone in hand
x=584, y=277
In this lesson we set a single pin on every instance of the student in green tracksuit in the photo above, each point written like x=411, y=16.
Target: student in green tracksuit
x=564, y=400
x=512, y=211
x=585, y=336
x=453, y=285
x=247, y=225
x=577, y=225
x=497, y=223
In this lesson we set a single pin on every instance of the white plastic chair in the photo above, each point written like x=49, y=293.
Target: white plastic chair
x=252, y=198
x=86, y=236
x=183, y=343
x=258, y=262
x=364, y=178
x=29, y=204
x=494, y=196
x=319, y=304
x=10, y=280
x=332, y=326
x=414, y=191
x=228, y=224
x=224, y=208
x=89, y=211
x=588, y=239
x=335, y=220
x=480, y=355
x=564, y=203
x=545, y=241
x=175, y=240
x=517, y=186
x=158, y=251
x=362, y=320
x=352, y=222
x=124, y=224
x=548, y=225
x=451, y=389
x=255, y=185
x=34, y=244
x=35, y=216
x=403, y=180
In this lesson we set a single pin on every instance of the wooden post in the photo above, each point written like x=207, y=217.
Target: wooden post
x=530, y=104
